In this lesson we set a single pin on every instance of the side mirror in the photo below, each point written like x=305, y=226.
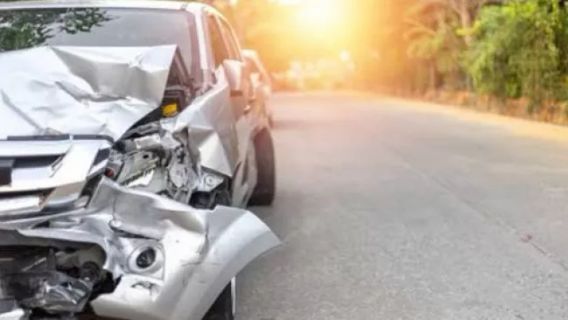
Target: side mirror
x=240, y=85
x=236, y=76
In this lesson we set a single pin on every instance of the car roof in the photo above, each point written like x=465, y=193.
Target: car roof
x=141, y=4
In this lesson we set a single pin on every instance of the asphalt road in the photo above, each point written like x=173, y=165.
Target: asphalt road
x=389, y=209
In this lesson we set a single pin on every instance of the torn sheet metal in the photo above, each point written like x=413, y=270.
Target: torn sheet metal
x=210, y=125
x=105, y=91
x=235, y=238
x=204, y=250
x=81, y=90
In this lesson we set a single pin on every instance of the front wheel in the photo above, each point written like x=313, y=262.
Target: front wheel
x=265, y=189
x=224, y=307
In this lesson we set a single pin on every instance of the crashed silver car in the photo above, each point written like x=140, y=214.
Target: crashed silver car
x=127, y=155
x=261, y=82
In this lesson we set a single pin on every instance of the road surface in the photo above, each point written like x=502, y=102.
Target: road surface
x=391, y=209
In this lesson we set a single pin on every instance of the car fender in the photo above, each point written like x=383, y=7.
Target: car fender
x=235, y=238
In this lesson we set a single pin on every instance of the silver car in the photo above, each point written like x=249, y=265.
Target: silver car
x=127, y=154
x=261, y=82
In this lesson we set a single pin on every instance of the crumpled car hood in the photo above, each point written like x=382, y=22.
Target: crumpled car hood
x=81, y=90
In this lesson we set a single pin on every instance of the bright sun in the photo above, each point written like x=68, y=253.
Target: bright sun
x=320, y=15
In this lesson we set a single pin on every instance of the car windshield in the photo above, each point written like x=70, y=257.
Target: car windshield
x=21, y=29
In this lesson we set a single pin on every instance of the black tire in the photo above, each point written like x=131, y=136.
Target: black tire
x=265, y=189
x=223, y=307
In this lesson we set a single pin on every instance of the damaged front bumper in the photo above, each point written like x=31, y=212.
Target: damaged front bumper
x=128, y=254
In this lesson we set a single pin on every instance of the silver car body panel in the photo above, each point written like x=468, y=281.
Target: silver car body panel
x=195, y=275
x=261, y=82
x=210, y=123
x=81, y=90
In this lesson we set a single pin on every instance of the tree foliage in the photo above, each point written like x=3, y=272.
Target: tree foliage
x=432, y=38
x=520, y=50
x=30, y=29
x=504, y=48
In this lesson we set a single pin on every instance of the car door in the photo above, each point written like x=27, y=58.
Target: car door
x=245, y=179
x=261, y=83
x=211, y=118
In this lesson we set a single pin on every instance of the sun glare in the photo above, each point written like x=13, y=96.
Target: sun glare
x=320, y=15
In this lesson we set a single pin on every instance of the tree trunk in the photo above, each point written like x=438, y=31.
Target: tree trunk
x=465, y=19
x=433, y=76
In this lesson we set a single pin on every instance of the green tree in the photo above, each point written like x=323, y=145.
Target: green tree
x=519, y=50
x=23, y=29
x=436, y=35
x=432, y=38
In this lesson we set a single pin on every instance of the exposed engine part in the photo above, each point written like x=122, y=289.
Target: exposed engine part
x=57, y=281
x=153, y=160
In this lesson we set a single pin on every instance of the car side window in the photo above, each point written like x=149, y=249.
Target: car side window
x=232, y=43
x=220, y=51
